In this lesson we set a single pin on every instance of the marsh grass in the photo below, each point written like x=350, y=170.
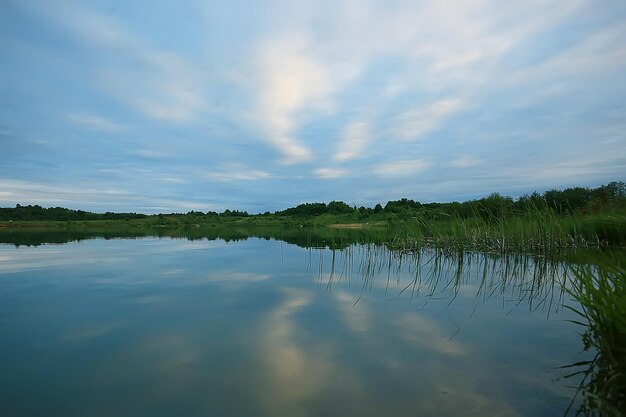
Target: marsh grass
x=600, y=290
x=539, y=232
x=535, y=230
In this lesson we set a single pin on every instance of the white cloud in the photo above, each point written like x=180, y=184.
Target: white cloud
x=236, y=172
x=292, y=80
x=173, y=180
x=235, y=277
x=466, y=40
x=354, y=140
x=95, y=196
x=330, y=173
x=465, y=162
x=439, y=49
x=175, y=205
x=409, y=67
x=585, y=168
x=152, y=153
x=27, y=192
x=293, y=372
x=417, y=122
x=94, y=122
x=427, y=333
x=158, y=83
x=401, y=168
x=601, y=52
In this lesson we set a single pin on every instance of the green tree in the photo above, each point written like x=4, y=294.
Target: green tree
x=339, y=207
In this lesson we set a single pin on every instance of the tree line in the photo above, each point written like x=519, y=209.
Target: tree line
x=36, y=212
x=567, y=201
x=494, y=206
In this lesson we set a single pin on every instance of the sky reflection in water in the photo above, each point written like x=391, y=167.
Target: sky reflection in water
x=166, y=327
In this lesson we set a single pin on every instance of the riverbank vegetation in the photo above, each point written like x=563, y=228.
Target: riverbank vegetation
x=549, y=223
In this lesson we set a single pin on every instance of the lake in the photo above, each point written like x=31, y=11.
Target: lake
x=260, y=327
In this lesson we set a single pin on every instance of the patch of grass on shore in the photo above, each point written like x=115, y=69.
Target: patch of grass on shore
x=538, y=233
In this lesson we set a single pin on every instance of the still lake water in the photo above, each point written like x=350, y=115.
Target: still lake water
x=173, y=327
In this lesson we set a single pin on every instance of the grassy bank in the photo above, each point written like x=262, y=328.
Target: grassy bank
x=550, y=223
x=535, y=232
x=542, y=233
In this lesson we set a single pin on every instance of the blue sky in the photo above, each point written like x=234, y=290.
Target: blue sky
x=160, y=106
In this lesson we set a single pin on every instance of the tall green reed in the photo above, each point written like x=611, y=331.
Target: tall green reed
x=600, y=290
x=535, y=231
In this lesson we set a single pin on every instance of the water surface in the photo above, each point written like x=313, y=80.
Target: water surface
x=163, y=327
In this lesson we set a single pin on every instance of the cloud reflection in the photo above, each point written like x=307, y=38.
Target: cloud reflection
x=294, y=373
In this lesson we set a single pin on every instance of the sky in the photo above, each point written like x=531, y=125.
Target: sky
x=161, y=106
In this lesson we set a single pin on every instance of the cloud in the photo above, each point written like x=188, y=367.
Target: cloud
x=466, y=40
x=160, y=84
x=152, y=153
x=354, y=140
x=17, y=191
x=419, y=121
x=234, y=277
x=465, y=162
x=173, y=180
x=498, y=83
x=427, y=333
x=401, y=168
x=330, y=173
x=98, y=197
x=172, y=205
x=294, y=373
x=292, y=80
x=236, y=172
x=601, y=52
x=94, y=122
x=589, y=167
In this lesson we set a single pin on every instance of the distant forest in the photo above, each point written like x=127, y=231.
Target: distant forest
x=562, y=202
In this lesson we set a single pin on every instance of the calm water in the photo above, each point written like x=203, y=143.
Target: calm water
x=171, y=327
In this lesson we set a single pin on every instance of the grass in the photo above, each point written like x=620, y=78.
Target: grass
x=537, y=232
x=600, y=290
x=540, y=233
